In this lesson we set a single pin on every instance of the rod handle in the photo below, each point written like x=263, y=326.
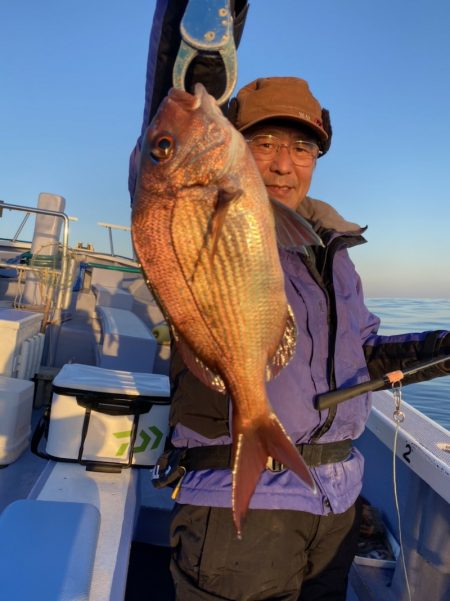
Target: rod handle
x=329, y=399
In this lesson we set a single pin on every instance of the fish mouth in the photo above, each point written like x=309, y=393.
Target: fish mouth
x=202, y=100
x=189, y=102
x=205, y=100
x=213, y=112
x=192, y=102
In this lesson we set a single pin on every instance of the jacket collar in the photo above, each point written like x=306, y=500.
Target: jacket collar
x=324, y=217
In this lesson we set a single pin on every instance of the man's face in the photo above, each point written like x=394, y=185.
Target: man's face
x=285, y=181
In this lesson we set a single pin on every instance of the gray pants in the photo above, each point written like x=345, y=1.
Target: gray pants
x=283, y=555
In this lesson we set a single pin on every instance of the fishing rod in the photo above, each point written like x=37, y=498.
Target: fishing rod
x=329, y=399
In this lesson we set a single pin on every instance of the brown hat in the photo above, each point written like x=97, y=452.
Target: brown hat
x=280, y=97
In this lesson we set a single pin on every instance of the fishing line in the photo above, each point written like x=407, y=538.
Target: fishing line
x=398, y=417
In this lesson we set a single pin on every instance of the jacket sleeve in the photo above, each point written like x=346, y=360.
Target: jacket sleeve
x=163, y=48
x=388, y=353
x=384, y=354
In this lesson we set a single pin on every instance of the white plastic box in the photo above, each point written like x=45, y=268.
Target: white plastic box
x=15, y=328
x=108, y=436
x=16, y=404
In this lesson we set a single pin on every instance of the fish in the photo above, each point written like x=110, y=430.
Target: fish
x=206, y=236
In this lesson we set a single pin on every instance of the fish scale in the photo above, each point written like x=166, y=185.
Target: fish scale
x=216, y=283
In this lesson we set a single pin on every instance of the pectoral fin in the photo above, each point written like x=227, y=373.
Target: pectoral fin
x=227, y=193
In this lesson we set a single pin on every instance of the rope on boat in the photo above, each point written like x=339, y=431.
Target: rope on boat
x=46, y=267
x=398, y=417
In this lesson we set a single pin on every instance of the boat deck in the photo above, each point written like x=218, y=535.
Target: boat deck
x=18, y=479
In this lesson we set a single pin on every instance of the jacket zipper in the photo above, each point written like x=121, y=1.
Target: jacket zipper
x=324, y=279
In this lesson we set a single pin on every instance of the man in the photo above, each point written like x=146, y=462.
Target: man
x=295, y=545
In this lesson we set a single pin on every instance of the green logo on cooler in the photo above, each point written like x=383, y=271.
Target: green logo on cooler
x=145, y=440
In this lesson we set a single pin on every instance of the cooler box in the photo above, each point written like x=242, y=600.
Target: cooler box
x=106, y=418
x=16, y=328
x=16, y=404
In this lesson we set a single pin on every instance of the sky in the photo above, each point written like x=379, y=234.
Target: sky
x=72, y=77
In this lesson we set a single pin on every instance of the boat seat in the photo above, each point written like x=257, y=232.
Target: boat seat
x=112, y=297
x=112, y=278
x=127, y=344
x=47, y=550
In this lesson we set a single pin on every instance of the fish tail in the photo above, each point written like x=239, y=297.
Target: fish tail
x=253, y=448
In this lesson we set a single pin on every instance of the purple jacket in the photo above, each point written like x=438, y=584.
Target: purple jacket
x=332, y=322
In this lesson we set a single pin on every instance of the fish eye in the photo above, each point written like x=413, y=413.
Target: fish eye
x=162, y=148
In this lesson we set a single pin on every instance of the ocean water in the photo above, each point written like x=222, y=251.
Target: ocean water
x=400, y=315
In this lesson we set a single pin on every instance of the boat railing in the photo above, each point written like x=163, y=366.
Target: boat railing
x=58, y=294
x=110, y=227
x=54, y=268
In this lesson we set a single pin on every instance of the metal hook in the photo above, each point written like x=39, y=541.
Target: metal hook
x=398, y=415
x=207, y=26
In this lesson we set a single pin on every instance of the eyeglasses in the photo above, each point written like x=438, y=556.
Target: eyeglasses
x=266, y=147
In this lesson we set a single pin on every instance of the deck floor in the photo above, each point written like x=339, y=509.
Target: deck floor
x=18, y=478
x=149, y=571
